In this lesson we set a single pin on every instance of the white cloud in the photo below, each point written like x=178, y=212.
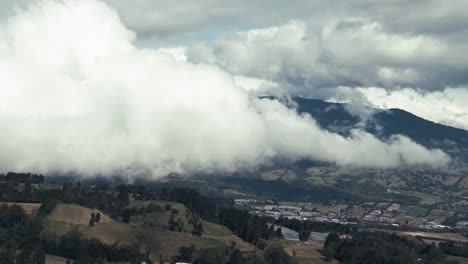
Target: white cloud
x=345, y=52
x=78, y=95
x=186, y=19
x=446, y=107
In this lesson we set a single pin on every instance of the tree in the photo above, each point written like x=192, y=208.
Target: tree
x=304, y=235
x=98, y=217
x=271, y=232
x=122, y=197
x=328, y=254
x=40, y=256
x=28, y=189
x=172, y=224
x=279, y=233
x=24, y=257
x=126, y=216
x=46, y=207
x=180, y=225
x=185, y=254
x=236, y=257
x=262, y=244
x=92, y=219
x=198, y=229
x=276, y=255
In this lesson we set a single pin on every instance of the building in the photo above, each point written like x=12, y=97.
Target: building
x=307, y=215
x=244, y=201
x=287, y=233
x=289, y=208
x=270, y=207
x=318, y=237
x=462, y=224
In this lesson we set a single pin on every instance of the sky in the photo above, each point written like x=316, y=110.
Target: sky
x=402, y=54
x=156, y=86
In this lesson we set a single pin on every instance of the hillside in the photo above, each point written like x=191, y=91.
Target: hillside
x=385, y=123
x=155, y=237
x=75, y=214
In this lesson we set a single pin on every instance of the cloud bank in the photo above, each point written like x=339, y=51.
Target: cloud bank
x=374, y=57
x=77, y=95
x=346, y=52
x=446, y=107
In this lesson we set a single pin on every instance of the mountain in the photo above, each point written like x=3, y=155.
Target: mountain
x=336, y=117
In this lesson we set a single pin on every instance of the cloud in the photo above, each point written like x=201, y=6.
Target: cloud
x=446, y=107
x=346, y=52
x=184, y=19
x=79, y=96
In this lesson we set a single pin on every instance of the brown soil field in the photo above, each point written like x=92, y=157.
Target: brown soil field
x=426, y=235
x=464, y=183
x=446, y=236
x=29, y=208
x=305, y=253
x=451, y=180
x=75, y=214
x=51, y=259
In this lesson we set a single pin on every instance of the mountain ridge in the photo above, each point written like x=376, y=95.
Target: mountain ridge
x=383, y=123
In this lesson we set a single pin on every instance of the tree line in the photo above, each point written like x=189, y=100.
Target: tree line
x=376, y=247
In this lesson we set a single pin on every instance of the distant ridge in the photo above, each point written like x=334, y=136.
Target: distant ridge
x=384, y=123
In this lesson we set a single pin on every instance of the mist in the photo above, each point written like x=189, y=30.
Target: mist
x=77, y=95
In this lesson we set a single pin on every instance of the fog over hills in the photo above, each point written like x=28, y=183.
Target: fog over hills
x=84, y=98
x=341, y=118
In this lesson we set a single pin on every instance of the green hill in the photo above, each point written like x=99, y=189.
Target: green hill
x=149, y=230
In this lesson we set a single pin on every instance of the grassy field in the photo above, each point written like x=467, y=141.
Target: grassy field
x=316, y=180
x=157, y=239
x=160, y=219
x=138, y=203
x=357, y=211
x=460, y=260
x=425, y=197
x=215, y=230
x=447, y=236
x=414, y=211
x=321, y=207
x=153, y=218
x=305, y=253
x=382, y=206
x=439, y=215
x=47, y=186
x=403, y=218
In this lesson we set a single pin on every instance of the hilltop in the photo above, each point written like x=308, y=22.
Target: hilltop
x=148, y=230
x=383, y=123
